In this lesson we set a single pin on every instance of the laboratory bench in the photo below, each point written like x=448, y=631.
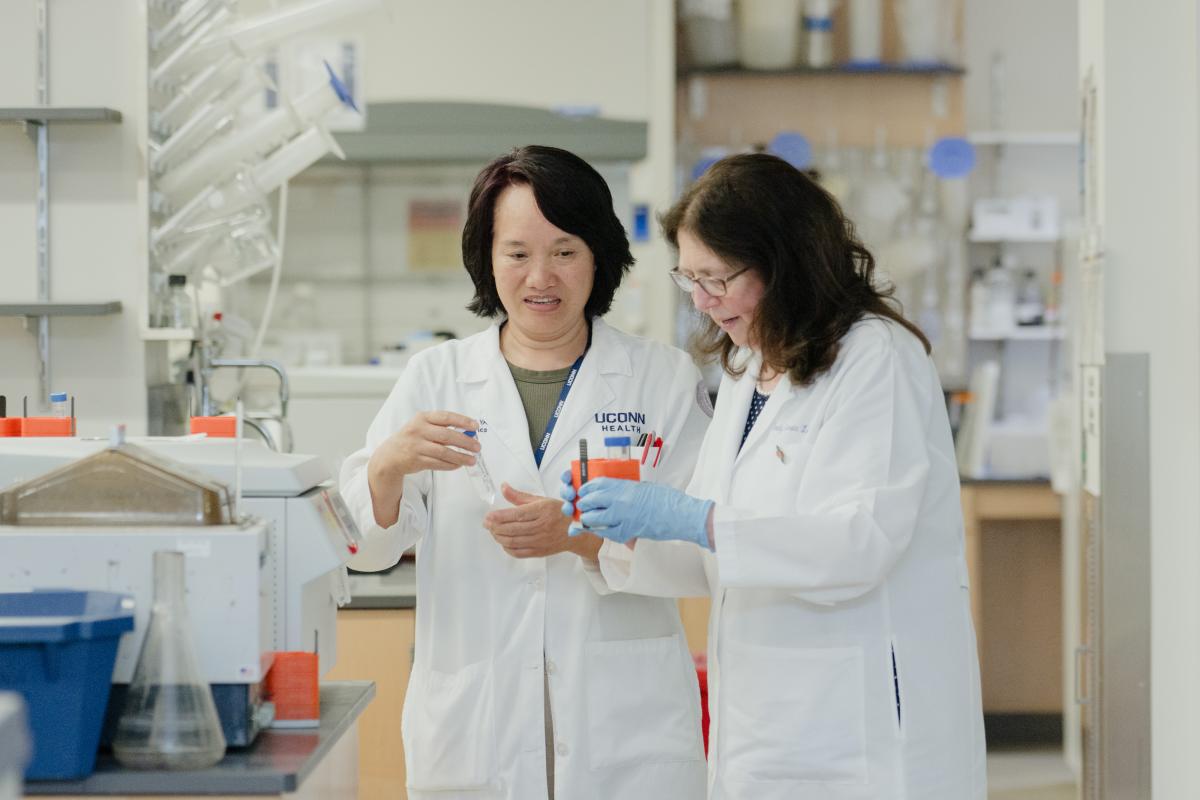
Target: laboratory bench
x=298, y=763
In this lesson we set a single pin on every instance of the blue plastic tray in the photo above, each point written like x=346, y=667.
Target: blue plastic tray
x=57, y=649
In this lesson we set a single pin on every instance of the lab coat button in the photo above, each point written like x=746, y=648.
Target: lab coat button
x=551, y=668
x=537, y=583
x=562, y=749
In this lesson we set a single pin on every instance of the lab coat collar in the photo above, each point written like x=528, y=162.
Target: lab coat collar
x=779, y=397
x=608, y=354
x=485, y=367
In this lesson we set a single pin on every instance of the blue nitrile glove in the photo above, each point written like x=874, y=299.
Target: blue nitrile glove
x=567, y=493
x=621, y=510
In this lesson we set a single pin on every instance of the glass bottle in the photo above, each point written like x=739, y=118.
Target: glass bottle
x=180, y=310
x=169, y=720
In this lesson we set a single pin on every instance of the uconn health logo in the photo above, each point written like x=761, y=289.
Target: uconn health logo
x=621, y=421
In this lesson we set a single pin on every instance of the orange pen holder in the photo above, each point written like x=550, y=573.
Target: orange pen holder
x=292, y=685
x=628, y=468
x=47, y=426
x=216, y=427
x=10, y=426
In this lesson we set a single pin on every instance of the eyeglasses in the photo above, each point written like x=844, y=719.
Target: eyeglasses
x=713, y=287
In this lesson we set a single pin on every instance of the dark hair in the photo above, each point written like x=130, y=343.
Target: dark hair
x=758, y=212
x=572, y=196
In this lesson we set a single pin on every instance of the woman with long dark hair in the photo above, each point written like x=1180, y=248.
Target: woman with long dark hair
x=824, y=515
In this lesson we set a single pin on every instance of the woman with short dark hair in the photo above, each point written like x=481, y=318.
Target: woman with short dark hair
x=531, y=679
x=823, y=517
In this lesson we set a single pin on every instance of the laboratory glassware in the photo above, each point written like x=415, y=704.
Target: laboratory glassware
x=259, y=137
x=169, y=720
x=481, y=479
x=250, y=187
x=258, y=34
x=180, y=310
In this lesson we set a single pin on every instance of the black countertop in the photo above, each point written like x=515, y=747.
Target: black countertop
x=277, y=762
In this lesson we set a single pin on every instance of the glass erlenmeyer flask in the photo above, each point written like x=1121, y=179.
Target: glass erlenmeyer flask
x=169, y=720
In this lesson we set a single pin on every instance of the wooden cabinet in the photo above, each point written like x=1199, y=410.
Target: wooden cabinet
x=377, y=645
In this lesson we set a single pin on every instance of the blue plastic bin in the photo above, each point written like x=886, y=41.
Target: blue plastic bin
x=57, y=648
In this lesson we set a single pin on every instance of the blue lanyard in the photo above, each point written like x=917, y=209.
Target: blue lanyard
x=562, y=401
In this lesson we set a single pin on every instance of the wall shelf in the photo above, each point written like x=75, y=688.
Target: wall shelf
x=975, y=238
x=1032, y=333
x=1027, y=138
x=48, y=309
x=43, y=114
x=920, y=70
x=433, y=132
x=167, y=334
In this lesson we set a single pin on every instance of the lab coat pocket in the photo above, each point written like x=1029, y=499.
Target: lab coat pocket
x=448, y=726
x=643, y=702
x=793, y=715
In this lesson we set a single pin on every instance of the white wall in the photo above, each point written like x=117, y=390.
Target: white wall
x=617, y=57
x=97, y=206
x=1145, y=57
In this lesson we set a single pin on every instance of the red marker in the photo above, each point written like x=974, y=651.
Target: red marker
x=658, y=444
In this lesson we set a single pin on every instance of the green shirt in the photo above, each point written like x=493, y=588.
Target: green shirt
x=539, y=390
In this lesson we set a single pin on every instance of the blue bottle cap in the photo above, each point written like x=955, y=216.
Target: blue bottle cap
x=952, y=157
x=616, y=441
x=58, y=397
x=792, y=147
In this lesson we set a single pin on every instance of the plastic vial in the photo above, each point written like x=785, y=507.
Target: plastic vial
x=481, y=479
x=179, y=310
x=60, y=406
x=169, y=720
x=616, y=448
x=818, y=33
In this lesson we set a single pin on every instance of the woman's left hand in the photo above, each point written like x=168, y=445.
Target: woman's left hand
x=622, y=510
x=535, y=528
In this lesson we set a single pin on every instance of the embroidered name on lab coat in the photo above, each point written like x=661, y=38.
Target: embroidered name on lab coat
x=621, y=421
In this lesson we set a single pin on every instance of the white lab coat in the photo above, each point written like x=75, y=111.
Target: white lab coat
x=839, y=542
x=623, y=688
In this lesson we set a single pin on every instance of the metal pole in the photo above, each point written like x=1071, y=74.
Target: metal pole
x=43, y=198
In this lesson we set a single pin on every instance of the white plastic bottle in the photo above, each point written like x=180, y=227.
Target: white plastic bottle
x=818, y=33
x=481, y=479
x=866, y=32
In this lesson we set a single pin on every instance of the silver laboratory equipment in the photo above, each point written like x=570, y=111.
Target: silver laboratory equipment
x=309, y=536
x=169, y=720
x=95, y=521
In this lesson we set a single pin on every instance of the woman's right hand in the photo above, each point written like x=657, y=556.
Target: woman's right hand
x=423, y=443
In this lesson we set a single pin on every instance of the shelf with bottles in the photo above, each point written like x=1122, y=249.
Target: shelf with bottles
x=1027, y=238
x=1024, y=138
x=149, y=334
x=1018, y=333
x=936, y=69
